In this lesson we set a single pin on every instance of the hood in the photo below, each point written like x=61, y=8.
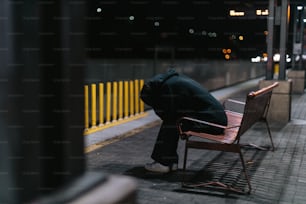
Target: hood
x=151, y=89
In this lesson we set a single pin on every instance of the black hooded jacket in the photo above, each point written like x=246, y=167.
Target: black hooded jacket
x=172, y=96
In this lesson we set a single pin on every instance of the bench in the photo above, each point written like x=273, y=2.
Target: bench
x=255, y=110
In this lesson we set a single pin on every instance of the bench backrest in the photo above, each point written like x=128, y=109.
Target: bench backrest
x=256, y=107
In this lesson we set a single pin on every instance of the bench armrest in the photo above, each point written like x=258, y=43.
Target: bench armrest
x=203, y=122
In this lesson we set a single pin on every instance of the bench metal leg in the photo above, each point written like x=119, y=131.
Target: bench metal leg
x=185, y=155
x=185, y=162
x=217, y=184
x=245, y=172
x=268, y=128
x=260, y=147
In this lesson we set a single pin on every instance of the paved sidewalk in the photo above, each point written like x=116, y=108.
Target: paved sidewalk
x=276, y=177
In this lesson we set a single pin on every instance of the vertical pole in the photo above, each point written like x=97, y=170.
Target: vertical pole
x=120, y=100
x=141, y=102
x=283, y=38
x=294, y=36
x=86, y=107
x=101, y=103
x=93, y=105
x=300, y=65
x=270, y=40
x=136, y=95
x=126, y=99
x=108, y=101
x=115, y=101
x=131, y=98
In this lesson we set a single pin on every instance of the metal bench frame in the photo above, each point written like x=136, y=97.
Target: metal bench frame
x=255, y=109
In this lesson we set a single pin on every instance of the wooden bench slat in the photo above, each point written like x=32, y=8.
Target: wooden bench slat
x=230, y=131
x=228, y=137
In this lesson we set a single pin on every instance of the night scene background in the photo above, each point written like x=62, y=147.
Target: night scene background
x=190, y=29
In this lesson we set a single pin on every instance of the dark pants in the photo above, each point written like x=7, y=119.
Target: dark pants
x=165, y=149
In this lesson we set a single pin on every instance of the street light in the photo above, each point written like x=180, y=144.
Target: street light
x=299, y=8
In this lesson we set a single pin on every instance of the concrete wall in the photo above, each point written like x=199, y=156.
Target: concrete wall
x=280, y=104
x=213, y=74
x=298, y=80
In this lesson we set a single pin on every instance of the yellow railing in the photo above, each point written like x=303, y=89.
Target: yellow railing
x=118, y=103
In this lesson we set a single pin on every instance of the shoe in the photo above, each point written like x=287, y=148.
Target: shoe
x=159, y=168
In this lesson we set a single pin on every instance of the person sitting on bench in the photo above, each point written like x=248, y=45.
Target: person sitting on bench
x=172, y=96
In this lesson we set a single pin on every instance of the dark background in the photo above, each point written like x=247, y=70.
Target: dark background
x=114, y=35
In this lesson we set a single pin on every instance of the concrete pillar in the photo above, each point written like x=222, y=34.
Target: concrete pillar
x=284, y=24
x=297, y=73
x=270, y=40
x=298, y=80
x=278, y=19
x=280, y=106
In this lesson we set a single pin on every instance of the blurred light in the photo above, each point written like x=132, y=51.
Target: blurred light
x=212, y=34
x=299, y=8
x=227, y=56
x=297, y=58
x=266, y=32
x=131, y=18
x=226, y=51
x=236, y=13
x=240, y=37
x=288, y=13
x=276, y=57
x=233, y=37
x=191, y=30
x=258, y=59
x=99, y=10
x=260, y=12
x=304, y=57
x=304, y=20
x=265, y=12
x=255, y=59
x=156, y=23
x=288, y=59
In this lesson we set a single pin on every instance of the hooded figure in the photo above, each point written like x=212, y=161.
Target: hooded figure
x=172, y=96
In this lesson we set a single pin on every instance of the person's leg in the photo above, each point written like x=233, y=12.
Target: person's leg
x=165, y=149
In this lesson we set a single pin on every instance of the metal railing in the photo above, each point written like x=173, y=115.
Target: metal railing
x=111, y=104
